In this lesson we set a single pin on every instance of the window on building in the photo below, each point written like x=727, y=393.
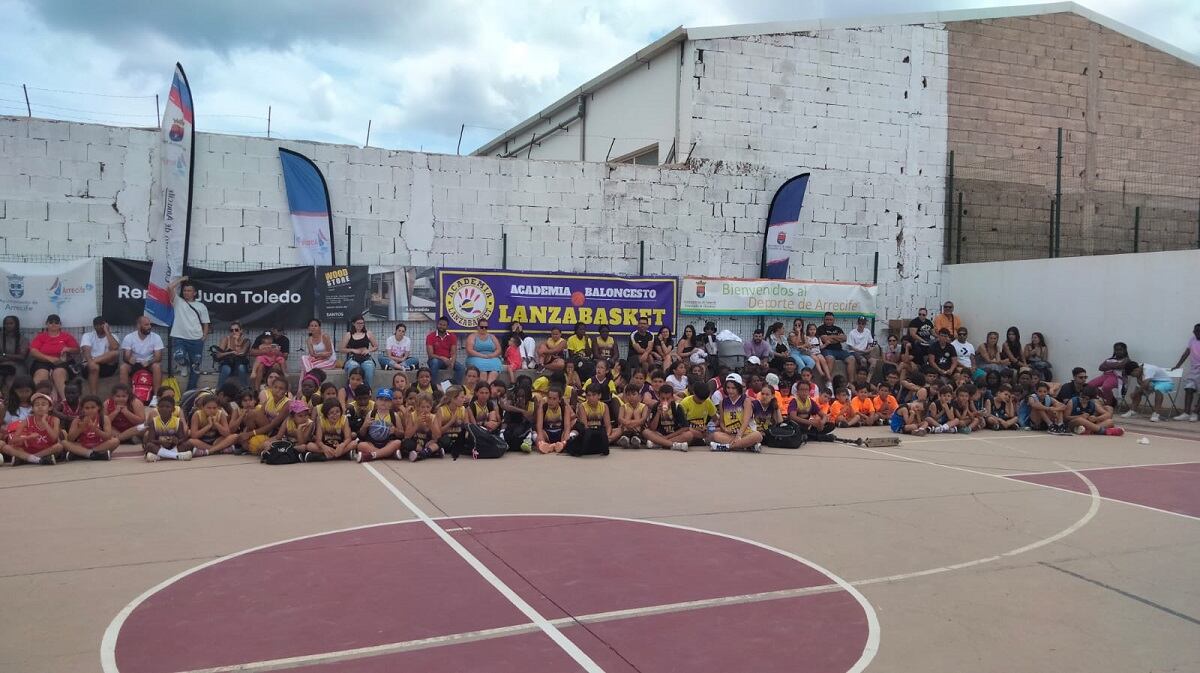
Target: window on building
x=646, y=156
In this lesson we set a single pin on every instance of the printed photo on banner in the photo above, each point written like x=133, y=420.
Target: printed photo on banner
x=405, y=293
x=543, y=300
x=34, y=290
x=796, y=298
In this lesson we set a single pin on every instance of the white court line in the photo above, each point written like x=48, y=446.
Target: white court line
x=505, y=631
x=1032, y=483
x=534, y=616
x=1106, y=467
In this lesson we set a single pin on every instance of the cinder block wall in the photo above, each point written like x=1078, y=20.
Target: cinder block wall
x=863, y=110
x=1131, y=120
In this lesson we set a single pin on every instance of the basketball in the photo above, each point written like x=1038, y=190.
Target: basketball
x=576, y=299
x=379, y=431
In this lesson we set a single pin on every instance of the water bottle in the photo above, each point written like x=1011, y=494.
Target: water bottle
x=712, y=427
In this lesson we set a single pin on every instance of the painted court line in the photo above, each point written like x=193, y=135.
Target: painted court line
x=534, y=616
x=1107, y=467
x=505, y=631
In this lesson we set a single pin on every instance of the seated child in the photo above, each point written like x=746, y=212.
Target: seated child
x=91, y=435
x=166, y=434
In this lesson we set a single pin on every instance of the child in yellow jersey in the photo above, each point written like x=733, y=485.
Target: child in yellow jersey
x=481, y=411
x=420, y=432
x=631, y=419
x=735, y=423
x=592, y=423
x=166, y=434
x=553, y=419
x=517, y=416
x=298, y=428
x=333, y=438
x=210, y=431
x=382, y=431
x=700, y=413
x=424, y=385
x=667, y=427
x=451, y=423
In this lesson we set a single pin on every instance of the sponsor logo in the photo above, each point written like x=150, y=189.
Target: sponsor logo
x=16, y=286
x=469, y=300
x=781, y=238
x=61, y=293
x=176, y=131
x=700, y=289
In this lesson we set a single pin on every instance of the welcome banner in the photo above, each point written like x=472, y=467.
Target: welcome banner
x=542, y=300
x=792, y=298
x=170, y=226
x=34, y=290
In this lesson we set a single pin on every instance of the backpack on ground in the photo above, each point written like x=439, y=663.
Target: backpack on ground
x=785, y=435
x=487, y=445
x=280, y=452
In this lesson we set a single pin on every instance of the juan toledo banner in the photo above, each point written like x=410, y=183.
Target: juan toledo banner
x=542, y=300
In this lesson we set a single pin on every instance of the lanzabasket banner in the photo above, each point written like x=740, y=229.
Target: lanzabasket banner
x=267, y=298
x=792, y=298
x=542, y=300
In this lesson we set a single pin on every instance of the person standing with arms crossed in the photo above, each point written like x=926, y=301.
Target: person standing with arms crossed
x=189, y=330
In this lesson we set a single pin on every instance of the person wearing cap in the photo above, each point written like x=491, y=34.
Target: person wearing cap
x=299, y=426
x=52, y=351
x=735, y=429
x=382, y=431
x=862, y=347
x=37, y=439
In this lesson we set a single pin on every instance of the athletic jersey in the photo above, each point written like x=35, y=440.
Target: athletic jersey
x=733, y=413
x=839, y=409
x=69, y=410
x=960, y=411
x=91, y=438
x=452, y=424
x=516, y=417
x=610, y=388
x=764, y=416
x=552, y=419
x=939, y=412
x=121, y=423
x=422, y=427
x=167, y=432
x=1078, y=408
x=593, y=414
x=332, y=433
x=802, y=407
x=391, y=418
x=1000, y=409
x=885, y=403
x=579, y=346
x=606, y=348
x=671, y=421
x=43, y=438
x=200, y=419
x=861, y=406
x=291, y=428
x=698, y=413
x=427, y=390
x=273, y=407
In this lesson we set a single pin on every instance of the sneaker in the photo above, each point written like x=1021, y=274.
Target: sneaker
x=1129, y=414
x=1183, y=417
x=1154, y=417
x=623, y=442
x=353, y=455
x=184, y=455
x=953, y=430
x=635, y=443
x=757, y=448
x=718, y=447
x=48, y=460
x=1194, y=417
x=412, y=456
x=151, y=457
x=239, y=451
x=527, y=445
x=1079, y=429
x=313, y=457
x=1114, y=431
x=366, y=456
x=939, y=429
x=101, y=455
x=679, y=446
x=920, y=432
x=966, y=429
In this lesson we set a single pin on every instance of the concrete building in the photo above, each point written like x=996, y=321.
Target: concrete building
x=874, y=105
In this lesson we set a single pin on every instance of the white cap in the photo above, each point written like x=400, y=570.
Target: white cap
x=754, y=360
x=735, y=377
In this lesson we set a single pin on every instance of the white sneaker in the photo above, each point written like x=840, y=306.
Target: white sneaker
x=623, y=442
x=1182, y=417
x=1154, y=418
x=151, y=457
x=679, y=446
x=635, y=442
x=184, y=455
x=1129, y=414
x=1194, y=417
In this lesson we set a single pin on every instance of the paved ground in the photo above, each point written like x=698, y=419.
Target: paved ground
x=992, y=552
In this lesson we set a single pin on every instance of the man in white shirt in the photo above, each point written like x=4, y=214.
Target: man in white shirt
x=101, y=353
x=861, y=344
x=142, y=349
x=188, y=331
x=1150, y=379
x=966, y=352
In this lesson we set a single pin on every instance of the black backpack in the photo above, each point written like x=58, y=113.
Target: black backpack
x=785, y=435
x=486, y=444
x=280, y=452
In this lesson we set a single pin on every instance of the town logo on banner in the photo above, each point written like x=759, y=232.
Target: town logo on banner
x=16, y=286
x=469, y=300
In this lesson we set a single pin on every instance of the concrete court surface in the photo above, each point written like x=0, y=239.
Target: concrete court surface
x=959, y=567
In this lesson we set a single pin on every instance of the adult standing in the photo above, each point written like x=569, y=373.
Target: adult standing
x=357, y=345
x=233, y=357
x=484, y=352
x=1191, y=377
x=832, y=337
x=946, y=320
x=441, y=348
x=101, y=353
x=14, y=351
x=53, y=352
x=142, y=349
x=319, y=347
x=920, y=334
x=188, y=330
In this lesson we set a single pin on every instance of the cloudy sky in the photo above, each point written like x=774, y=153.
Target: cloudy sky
x=417, y=69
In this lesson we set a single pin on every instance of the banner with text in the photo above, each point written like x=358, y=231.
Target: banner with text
x=795, y=298
x=37, y=289
x=542, y=300
x=265, y=298
x=342, y=293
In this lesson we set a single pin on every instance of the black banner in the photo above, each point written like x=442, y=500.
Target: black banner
x=266, y=298
x=342, y=293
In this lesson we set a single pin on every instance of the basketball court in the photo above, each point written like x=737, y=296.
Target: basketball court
x=989, y=552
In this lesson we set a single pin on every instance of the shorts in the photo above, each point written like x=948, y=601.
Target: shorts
x=1164, y=387
x=896, y=423
x=836, y=353
x=108, y=369
x=1192, y=380
x=38, y=365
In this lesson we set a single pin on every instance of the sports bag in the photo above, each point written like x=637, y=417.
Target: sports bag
x=785, y=435
x=280, y=452
x=487, y=445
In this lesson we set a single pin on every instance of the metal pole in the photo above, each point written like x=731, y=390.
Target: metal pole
x=1058, y=197
x=504, y=251
x=875, y=281
x=958, y=245
x=1198, y=223
x=348, y=230
x=949, y=207
x=1050, y=238
x=458, y=147
x=368, y=143
x=28, y=110
x=641, y=258
x=609, y=153
x=268, y=121
x=1137, y=228
x=157, y=112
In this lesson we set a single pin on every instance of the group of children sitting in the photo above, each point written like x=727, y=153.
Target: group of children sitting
x=556, y=413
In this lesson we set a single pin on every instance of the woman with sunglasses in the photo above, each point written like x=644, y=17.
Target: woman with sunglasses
x=357, y=345
x=232, y=356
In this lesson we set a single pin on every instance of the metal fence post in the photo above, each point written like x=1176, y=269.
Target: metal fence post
x=875, y=281
x=641, y=258
x=504, y=251
x=1137, y=228
x=1050, y=237
x=949, y=207
x=1058, y=197
x=958, y=245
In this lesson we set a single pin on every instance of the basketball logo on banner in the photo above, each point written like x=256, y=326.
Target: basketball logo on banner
x=469, y=300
